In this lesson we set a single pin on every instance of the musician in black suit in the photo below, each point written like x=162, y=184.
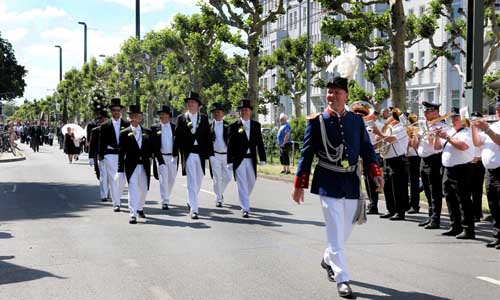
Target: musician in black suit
x=221, y=175
x=98, y=165
x=36, y=137
x=245, y=140
x=194, y=141
x=163, y=143
x=135, y=153
x=108, y=150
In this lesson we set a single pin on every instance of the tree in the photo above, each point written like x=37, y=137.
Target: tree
x=382, y=38
x=249, y=17
x=11, y=73
x=290, y=59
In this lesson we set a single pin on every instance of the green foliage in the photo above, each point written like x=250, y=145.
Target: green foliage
x=298, y=128
x=12, y=74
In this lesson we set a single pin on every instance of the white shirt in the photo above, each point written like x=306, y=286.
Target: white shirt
x=219, y=143
x=424, y=148
x=137, y=134
x=246, y=126
x=166, y=138
x=451, y=155
x=398, y=147
x=116, y=126
x=491, y=151
x=194, y=120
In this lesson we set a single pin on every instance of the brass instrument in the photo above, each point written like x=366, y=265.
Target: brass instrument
x=365, y=110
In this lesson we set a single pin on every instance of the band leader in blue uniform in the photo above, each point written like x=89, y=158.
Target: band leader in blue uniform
x=337, y=137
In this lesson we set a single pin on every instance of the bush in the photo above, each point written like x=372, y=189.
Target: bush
x=298, y=128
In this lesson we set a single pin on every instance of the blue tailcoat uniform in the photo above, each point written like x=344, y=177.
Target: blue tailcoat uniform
x=350, y=130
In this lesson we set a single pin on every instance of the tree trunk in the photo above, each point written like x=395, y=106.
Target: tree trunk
x=253, y=76
x=297, y=105
x=398, y=68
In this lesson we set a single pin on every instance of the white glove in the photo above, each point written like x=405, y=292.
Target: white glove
x=230, y=167
x=118, y=176
x=91, y=162
x=262, y=163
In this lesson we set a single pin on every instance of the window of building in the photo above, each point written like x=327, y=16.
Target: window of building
x=422, y=10
x=421, y=59
x=411, y=57
x=410, y=11
x=430, y=96
x=457, y=58
x=304, y=16
x=455, y=98
x=295, y=20
x=290, y=21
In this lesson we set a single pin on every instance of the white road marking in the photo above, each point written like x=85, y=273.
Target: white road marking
x=160, y=293
x=490, y=280
x=202, y=190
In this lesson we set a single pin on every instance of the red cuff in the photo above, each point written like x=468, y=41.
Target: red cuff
x=375, y=170
x=301, y=181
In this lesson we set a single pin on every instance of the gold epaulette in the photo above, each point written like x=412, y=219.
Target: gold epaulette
x=313, y=116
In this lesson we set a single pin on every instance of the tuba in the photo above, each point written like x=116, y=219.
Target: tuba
x=366, y=111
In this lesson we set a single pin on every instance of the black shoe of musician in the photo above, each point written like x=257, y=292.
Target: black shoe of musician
x=218, y=204
x=372, y=212
x=245, y=215
x=194, y=216
x=386, y=216
x=344, y=290
x=397, y=217
x=466, y=235
x=116, y=209
x=452, y=232
x=132, y=220
x=141, y=214
x=164, y=206
x=104, y=199
x=426, y=222
x=329, y=271
x=493, y=244
x=432, y=226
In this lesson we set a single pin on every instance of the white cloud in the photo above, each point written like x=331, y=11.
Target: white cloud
x=17, y=34
x=30, y=15
x=148, y=6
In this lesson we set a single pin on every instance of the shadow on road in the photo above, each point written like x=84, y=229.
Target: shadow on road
x=39, y=200
x=11, y=273
x=389, y=293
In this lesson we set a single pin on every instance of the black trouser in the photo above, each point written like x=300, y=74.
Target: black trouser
x=414, y=173
x=432, y=179
x=457, y=182
x=285, y=154
x=371, y=189
x=478, y=172
x=493, y=195
x=396, y=184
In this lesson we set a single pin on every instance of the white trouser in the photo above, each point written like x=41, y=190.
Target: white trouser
x=221, y=174
x=339, y=214
x=245, y=180
x=167, y=178
x=115, y=187
x=103, y=179
x=137, y=190
x=194, y=175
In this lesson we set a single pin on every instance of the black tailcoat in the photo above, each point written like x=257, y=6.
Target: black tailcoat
x=108, y=137
x=130, y=155
x=239, y=144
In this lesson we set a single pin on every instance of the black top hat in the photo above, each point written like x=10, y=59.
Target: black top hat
x=455, y=111
x=476, y=114
x=115, y=102
x=103, y=114
x=245, y=103
x=216, y=106
x=164, y=109
x=430, y=106
x=339, y=82
x=193, y=96
x=134, y=109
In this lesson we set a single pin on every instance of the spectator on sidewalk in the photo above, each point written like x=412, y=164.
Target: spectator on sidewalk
x=285, y=143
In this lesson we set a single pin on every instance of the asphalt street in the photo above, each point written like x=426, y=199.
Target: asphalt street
x=59, y=241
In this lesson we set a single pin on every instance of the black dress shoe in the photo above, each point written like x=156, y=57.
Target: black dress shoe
x=397, y=217
x=218, y=204
x=386, y=216
x=132, y=220
x=189, y=206
x=372, y=212
x=413, y=211
x=432, y=226
x=116, y=208
x=344, y=290
x=466, y=235
x=245, y=214
x=493, y=244
x=452, y=232
x=141, y=214
x=329, y=271
x=194, y=216
x=424, y=223
x=104, y=199
x=497, y=247
x=164, y=206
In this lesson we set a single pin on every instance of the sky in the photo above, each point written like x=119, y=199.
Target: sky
x=34, y=27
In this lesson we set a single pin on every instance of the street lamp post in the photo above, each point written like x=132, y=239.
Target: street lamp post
x=138, y=36
x=65, y=106
x=308, y=60
x=84, y=41
x=60, y=61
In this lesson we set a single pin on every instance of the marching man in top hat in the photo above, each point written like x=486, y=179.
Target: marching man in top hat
x=99, y=165
x=218, y=163
x=194, y=142
x=163, y=142
x=245, y=139
x=136, y=150
x=337, y=137
x=109, y=142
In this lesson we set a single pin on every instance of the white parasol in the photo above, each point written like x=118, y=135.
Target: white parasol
x=78, y=131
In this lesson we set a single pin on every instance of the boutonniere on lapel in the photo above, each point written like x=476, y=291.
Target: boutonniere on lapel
x=121, y=128
x=190, y=125
x=241, y=130
x=144, y=134
x=131, y=134
x=158, y=132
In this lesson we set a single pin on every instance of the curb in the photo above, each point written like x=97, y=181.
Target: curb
x=21, y=157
